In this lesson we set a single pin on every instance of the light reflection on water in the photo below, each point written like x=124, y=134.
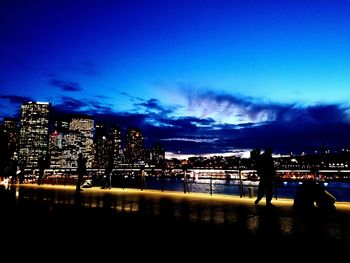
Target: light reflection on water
x=341, y=190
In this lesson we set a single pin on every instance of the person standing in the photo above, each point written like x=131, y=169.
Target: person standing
x=108, y=174
x=14, y=168
x=266, y=172
x=186, y=187
x=81, y=171
x=143, y=179
x=42, y=165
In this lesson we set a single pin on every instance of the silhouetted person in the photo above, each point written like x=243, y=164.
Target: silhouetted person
x=42, y=165
x=13, y=169
x=266, y=172
x=21, y=175
x=310, y=193
x=186, y=187
x=162, y=165
x=162, y=180
x=108, y=174
x=143, y=179
x=81, y=171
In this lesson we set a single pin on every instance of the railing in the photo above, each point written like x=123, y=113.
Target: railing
x=240, y=182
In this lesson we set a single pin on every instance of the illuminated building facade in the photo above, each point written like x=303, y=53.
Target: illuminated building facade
x=134, y=150
x=78, y=140
x=55, y=149
x=34, y=132
x=56, y=143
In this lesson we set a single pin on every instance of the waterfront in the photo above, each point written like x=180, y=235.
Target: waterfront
x=340, y=190
x=211, y=182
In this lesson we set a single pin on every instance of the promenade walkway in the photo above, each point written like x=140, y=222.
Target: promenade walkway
x=158, y=218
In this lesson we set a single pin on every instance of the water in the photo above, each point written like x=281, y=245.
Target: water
x=340, y=190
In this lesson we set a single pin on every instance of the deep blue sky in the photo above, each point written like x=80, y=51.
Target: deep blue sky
x=200, y=76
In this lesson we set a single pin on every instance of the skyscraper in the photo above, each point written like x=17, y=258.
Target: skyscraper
x=34, y=132
x=61, y=127
x=101, y=145
x=158, y=153
x=134, y=151
x=79, y=140
x=11, y=132
x=9, y=137
x=114, y=144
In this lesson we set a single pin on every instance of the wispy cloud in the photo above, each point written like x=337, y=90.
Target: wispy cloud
x=237, y=109
x=292, y=128
x=151, y=104
x=65, y=85
x=230, y=108
x=10, y=105
x=133, y=98
x=15, y=99
x=155, y=106
x=199, y=140
x=72, y=104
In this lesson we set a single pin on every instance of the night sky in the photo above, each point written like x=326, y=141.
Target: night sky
x=200, y=77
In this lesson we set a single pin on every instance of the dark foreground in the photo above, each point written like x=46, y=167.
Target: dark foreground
x=56, y=219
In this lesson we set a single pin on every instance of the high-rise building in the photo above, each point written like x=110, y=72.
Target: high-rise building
x=11, y=132
x=10, y=123
x=79, y=140
x=114, y=145
x=9, y=137
x=101, y=145
x=134, y=151
x=34, y=132
x=55, y=149
x=158, y=153
x=154, y=155
x=61, y=127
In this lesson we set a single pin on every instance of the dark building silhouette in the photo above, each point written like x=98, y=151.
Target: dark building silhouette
x=154, y=155
x=9, y=137
x=158, y=152
x=101, y=145
x=134, y=150
x=114, y=145
x=11, y=132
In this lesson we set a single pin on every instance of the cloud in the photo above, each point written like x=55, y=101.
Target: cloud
x=328, y=113
x=14, y=99
x=10, y=105
x=85, y=106
x=71, y=104
x=65, y=85
x=292, y=137
x=293, y=128
x=154, y=106
x=230, y=108
x=235, y=109
x=151, y=104
x=133, y=98
x=200, y=140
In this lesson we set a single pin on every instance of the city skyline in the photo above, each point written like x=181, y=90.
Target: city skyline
x=201, y=77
